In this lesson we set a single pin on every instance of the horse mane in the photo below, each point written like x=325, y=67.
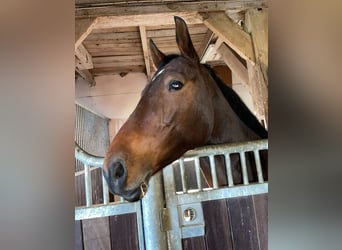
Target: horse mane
x=238, y=106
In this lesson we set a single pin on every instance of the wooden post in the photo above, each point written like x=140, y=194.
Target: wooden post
x=143, y=37
x=256, y=24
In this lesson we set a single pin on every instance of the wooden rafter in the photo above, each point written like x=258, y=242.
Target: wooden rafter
x=86, y=8
x=143, y=37
x=84, y=57
x=83, y=26
x=231, y=33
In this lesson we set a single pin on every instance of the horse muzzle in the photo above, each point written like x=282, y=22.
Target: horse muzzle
x=116, y=179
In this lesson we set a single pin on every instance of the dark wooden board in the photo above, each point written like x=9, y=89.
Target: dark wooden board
x=261, y=217
x=78, y=236
x=242, y=223
x=124, y=232
x=195, y=243
x=96, y=234
x=217, y=230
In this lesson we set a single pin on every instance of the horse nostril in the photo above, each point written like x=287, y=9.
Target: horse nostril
x=117, y=170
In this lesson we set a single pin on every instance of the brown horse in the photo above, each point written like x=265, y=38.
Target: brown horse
x=184, y=106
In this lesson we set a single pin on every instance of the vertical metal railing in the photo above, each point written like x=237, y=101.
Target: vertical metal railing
x=225, y=151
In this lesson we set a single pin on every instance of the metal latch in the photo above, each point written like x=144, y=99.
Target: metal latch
x=190, y=220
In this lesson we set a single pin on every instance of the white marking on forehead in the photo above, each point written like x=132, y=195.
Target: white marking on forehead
x=158, y=74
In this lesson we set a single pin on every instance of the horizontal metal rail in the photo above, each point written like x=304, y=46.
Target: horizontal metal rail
x=227, y=148
x=88, y=159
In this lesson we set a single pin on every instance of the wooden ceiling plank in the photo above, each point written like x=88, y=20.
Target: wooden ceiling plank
x=156, y=19
x=143, y=36
x=231, y=34
x=83, y=27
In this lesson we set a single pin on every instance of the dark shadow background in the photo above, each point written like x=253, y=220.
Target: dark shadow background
x=37, y=125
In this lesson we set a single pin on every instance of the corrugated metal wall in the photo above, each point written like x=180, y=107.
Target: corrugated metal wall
x=92, y=134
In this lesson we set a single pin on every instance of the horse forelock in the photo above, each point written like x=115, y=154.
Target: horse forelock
x=161, y=67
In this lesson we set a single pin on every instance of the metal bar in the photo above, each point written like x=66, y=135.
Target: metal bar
x=227, y=148
x=87, y=158
x=182, y=172
x=258, y=166
x=174, y=235
x=198, y=173
x=213, y=170
x=87, y=184
x=140, y=225
x=152, y=205
x=105, y=191
x=229, y=170
x=100, y=210
x=244, y=168
x=223, y=193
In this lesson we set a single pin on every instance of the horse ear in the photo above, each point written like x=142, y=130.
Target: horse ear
x=157, y=55
x=184, y=41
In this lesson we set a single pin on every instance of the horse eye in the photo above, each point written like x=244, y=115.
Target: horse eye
x=175, y=85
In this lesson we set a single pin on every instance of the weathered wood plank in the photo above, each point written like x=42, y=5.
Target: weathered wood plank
x=83, y=27
x=257, y=24
x=146, y=20
x=124, y=232
x=78, y=235
x=117, y=70
x=125, y=8
x=79, y=191
x=259, y=92
x=206, y=41
x=145, y=48
x=231, y=34
x=216, y=219
x=234, y=63
x=84, y=57
x=242, y=223
x=196, y=243
x=193, y=30
x=118, y=64
x=96, y=234
x=106, y=59
x=261, y=216
x=86, y=75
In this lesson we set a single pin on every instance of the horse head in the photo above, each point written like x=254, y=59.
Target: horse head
x=172, y=116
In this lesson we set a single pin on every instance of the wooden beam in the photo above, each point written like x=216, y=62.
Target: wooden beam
x=83, y=27
x=259, y=92
x=206, y=41
x=143, y=37
x=233, y=63
x=86, y=75
x=96, y=8
x=84, y=57
x=157, y=19
x=256, y=23
x=231, y=33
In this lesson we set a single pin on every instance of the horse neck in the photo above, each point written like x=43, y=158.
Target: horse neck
x=228, y=127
